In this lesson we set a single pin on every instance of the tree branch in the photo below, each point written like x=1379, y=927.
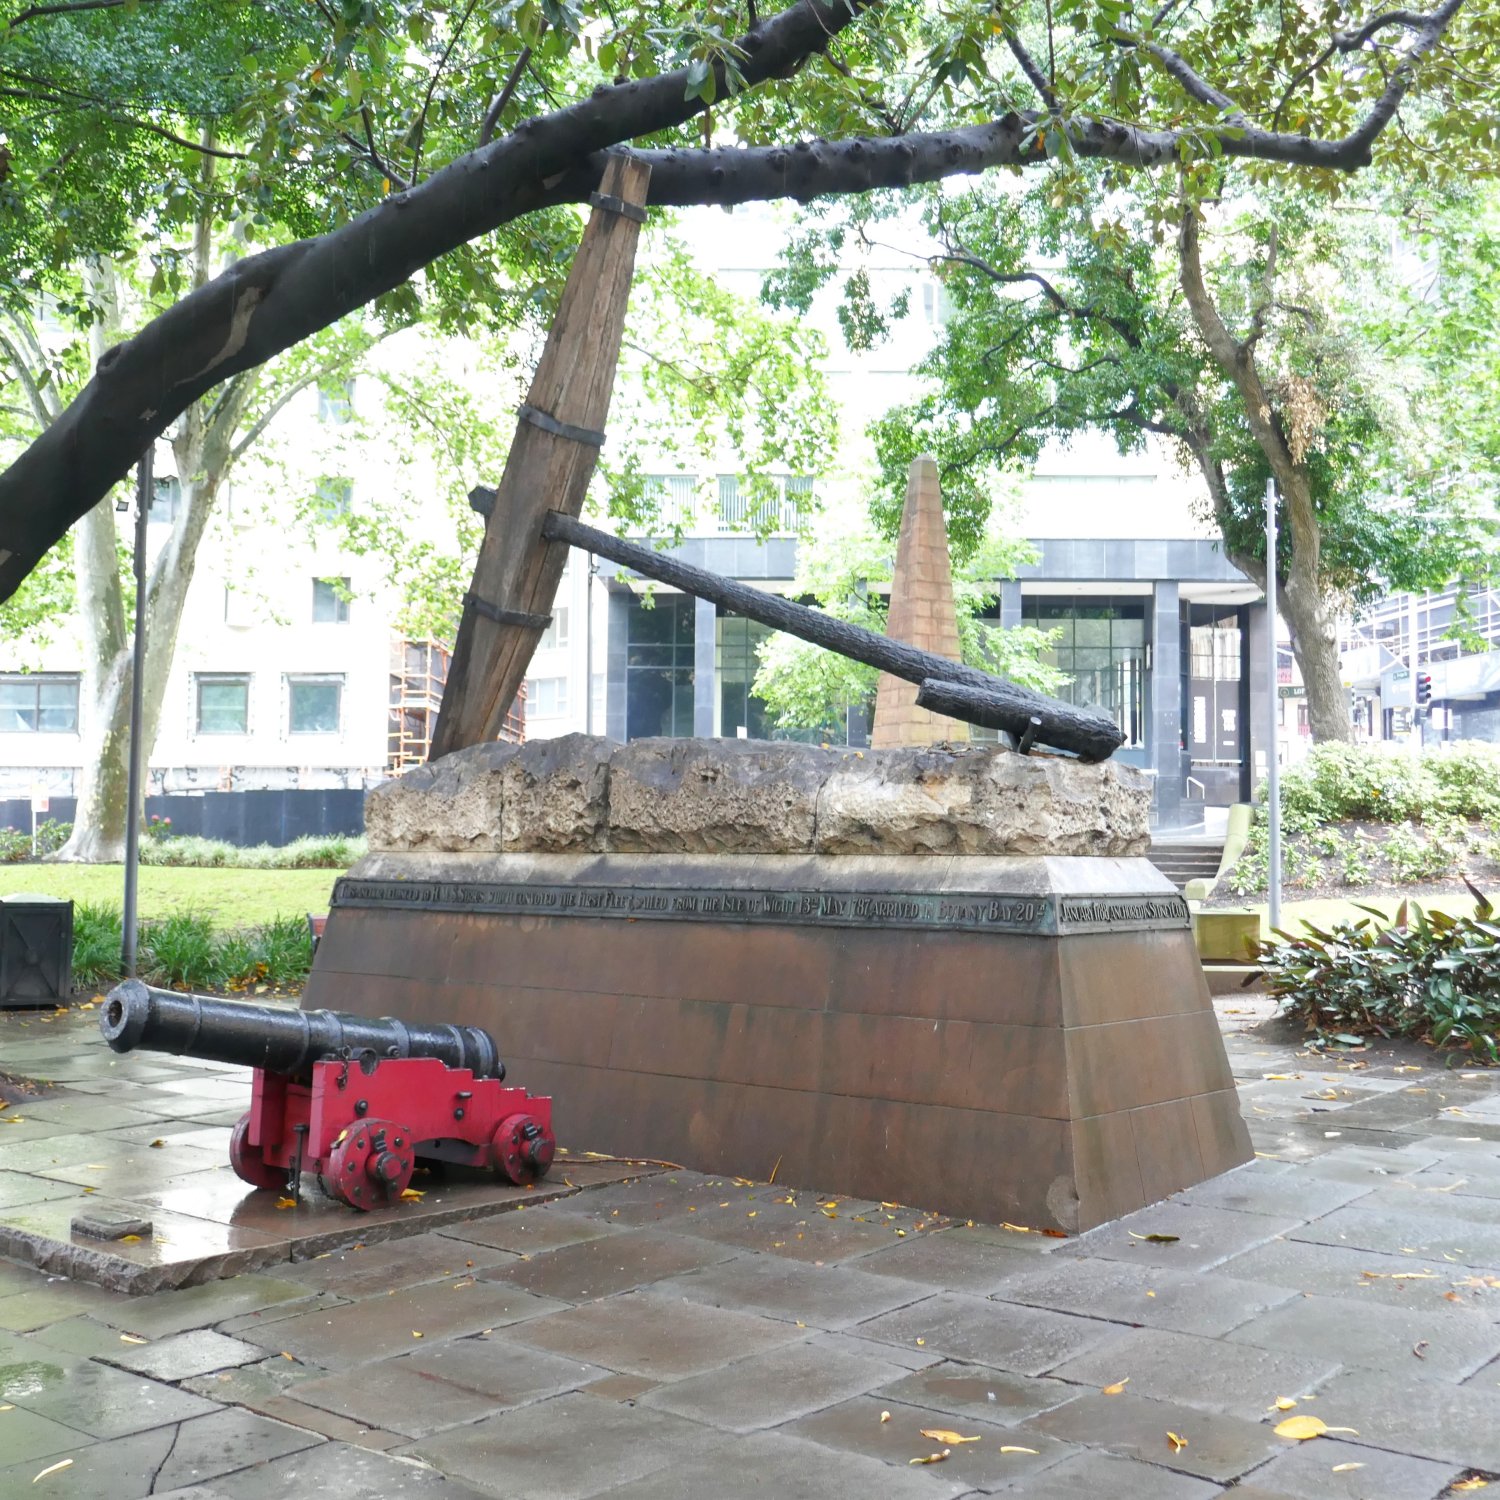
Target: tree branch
x=419, y=130
x=33, y=12
x=1032, y=69
x=506, y=94
x=268, y=302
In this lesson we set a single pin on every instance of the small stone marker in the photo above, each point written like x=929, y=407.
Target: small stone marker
x=110, y=1224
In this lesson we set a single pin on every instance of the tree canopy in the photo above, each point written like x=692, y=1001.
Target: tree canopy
x=394, y=136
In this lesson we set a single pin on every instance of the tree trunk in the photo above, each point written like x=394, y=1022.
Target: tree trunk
x=1314, y=625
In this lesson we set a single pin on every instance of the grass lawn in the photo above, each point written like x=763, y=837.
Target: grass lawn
x=232, y=898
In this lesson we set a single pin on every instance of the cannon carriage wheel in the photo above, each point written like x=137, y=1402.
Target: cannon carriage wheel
x=249, y=1163
x=370, y=1164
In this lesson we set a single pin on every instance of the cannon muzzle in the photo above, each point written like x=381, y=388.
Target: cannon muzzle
x=278, y=1039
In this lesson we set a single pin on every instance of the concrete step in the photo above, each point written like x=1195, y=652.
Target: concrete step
x=1182, y=862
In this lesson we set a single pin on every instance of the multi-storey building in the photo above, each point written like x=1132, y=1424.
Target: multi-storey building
x=291, y=682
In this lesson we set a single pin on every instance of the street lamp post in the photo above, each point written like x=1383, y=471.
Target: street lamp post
x=1273, y=710
x=137, y=749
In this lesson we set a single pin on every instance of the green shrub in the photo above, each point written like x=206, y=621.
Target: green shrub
x=180, y=952
x=97, y=934
x=1430, y=976
x=1467, y=775
x=335, y=852
x=1337, y=782
x=16, y=844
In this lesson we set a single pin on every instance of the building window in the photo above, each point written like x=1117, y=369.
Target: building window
x=330, y=601
x=675, y=496
x=740, y=509
x=314, y=704
x=555, y=636
x=546, y=697
x=659, y=667
x=333, y=498
x=223, y=705
x=166, y=498
x=1101, y=645
x=740, y=712
x=336, y=402
x=39, y=703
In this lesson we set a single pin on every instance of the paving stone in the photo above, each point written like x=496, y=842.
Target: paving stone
x=102, y=1402
x=1308, y=1472
x=1455, y=1341
x=798, y=1232
x=601, y=1267
x=908, y=1357
x=1460, y=1179
x=80, y=1114
x=1027, y=1340
x=264, y=1317
x=1218, y=1447
x=24, y=1435
x=1486, y=1378
x=54, y=1300
x=372, y=1270
x=1294, y=1194
x=442, y=1387
x=253, y=1385
x=855, y=1427
x=775, y=1463
x=83, y=1337
x=529, y=1232
x=182, y=1355
x=1353, y=1161
x=1333, y=1271
x=341, y=1471
x=1452, y=1424
x=620, y=1387
x=1204, y=1236
x=977, y=1393
x=563, y=1449
x=1413, y=1196
x=1209, y=1374
x=192, y=1492
x=769, y=1389
x=1428, y=1234
x=1149, y=1296
x=18, y=1188
x=1112, y=1477
x=1015, y=1237
x=951, y=1259
x=356, y=1332
x=832, y=1296
x=328, y=1424
x=652, y=1198
x=224, y=1441
x=213, y=1302
x=643, y=1334
x=125, y=1173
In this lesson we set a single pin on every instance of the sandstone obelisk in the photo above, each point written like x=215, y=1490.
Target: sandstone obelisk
x=921, y=614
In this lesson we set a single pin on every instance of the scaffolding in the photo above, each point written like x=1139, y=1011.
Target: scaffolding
x=418, y=673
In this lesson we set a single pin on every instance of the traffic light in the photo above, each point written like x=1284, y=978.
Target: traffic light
x=1424, y=690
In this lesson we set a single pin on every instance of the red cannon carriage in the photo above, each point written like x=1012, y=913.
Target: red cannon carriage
x=359, y=1102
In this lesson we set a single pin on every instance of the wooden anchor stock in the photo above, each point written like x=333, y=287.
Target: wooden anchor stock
x=947, y=687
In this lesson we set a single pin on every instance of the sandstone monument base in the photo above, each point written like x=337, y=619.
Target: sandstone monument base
x=983, y=1030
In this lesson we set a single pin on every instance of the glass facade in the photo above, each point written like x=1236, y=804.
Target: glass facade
x=738, y=640
x=39, y=704
x=659, y=667
x=223, y=703
x=1101, y=645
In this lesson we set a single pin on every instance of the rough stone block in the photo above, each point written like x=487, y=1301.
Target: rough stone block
x=451, y=806
x=714, y=796
x=556, y=795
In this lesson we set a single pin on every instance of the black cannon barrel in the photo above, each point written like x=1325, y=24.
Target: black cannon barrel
x=276, y=1038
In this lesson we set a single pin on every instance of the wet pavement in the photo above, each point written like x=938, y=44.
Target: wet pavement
x=667, y=1334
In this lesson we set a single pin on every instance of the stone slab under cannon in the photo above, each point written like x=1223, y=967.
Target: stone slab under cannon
x=943, y=976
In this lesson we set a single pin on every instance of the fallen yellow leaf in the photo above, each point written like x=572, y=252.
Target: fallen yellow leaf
x=950, y=1439
x=157, y=1144
x=1472, y=1484
x=7, y=1407
x=1304, y=1427
x=130, y=1338
x=411, y=1195
x=931, y=1458
x=64, y=1463
x=1117, y=1388
x=1284, y=1403
x=415, y=1334
x=920, y=1342
x=885, y=1416
x=130, y=1239
x=1178, y=1443
x=1345, y=1468
x=1010, y=1449
x=286, y=1203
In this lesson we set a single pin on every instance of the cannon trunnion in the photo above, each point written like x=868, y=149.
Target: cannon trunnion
x=357, y=1102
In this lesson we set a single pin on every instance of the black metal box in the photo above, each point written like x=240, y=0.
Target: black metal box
x=36, y=950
